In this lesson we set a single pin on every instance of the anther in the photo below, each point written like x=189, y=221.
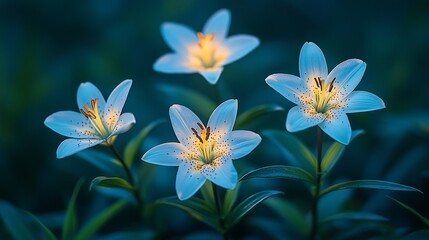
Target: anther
x=317, y=83
x=331, y=85
x=196, y=134
x=207, y=133
x=320, y=83
x=201, y=126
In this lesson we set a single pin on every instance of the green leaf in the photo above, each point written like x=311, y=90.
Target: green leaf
x=290, y=213
x=280, y=171
x=134, y=144
x=13, y=220
x=104, y=162
x=70, y=221
x=195, y=207
x=248, y=204
x=252, y=114
x=424, y=220
x=334, y=153
x=355, y=216
x=110, y=182
x=295, y=151
x=188, y=97
x=207, y=192
x=230, y=199
x=45, y=230
x=130, y=235
x=377, y=184
x=98, y=221
x=421, y=234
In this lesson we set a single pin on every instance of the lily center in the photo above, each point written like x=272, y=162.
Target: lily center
x=93, y=115
x=323, y=93
x=205, y=145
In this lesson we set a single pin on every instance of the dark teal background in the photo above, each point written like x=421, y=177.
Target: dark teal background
x=47, y=48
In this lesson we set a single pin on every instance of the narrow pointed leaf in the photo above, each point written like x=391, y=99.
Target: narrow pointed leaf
x=355, y=216
x=230, y=199
x=48, y=234
x=91, y=227
x=423, y=219
x=335, y=152
x=246, y=206
x=110, y=182
x=421, y=234
x=70, y=221
x=133, y=146
x=14, y=223
x=254, y=113
x=195, y=207
x=103, y=161
x=295, y=151
x=290, y=214
x=188, y=97
x=280, y=171
x=207, y=192
x=376, y=184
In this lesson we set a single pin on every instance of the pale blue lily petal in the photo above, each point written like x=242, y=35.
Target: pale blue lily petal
x=218, y=24
x=223, y=117
x=241, y=142
x=115, y=103
x=178, y=37
x=312, y=63
x=337, y=126
x=166, y=154
x=221, y=172
x=71, y=146
x=126, y=122
x=87, y=92
x=183, y=120
x=290, y=87
x=189, y=179
x=347, y=76
x=172, y=63
x=239, y=46
x=212, y=75
x=70, y=124
x=361, y=101
x=302, y=117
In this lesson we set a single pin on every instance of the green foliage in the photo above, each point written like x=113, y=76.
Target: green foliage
x=405, y=206
x=134, y=144
x=280, y=171
x=110, y=182
x=91, y=227
x=207, y=192
x=295, y=151
x=355, y=216
x=334, y=153
x=421, y=234
x=70, y=222
x=48, y=234
x=252, y=114
x=290, y=214
x=248, y=204
x=376, y=184
x=12, y=219
x=231, y=196
x=103, y=161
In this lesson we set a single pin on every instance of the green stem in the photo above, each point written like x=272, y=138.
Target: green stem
x=314, y=224
x=128, y=172
x=219, y=211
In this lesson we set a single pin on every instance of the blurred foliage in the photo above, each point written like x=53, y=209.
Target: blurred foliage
x=48, y=48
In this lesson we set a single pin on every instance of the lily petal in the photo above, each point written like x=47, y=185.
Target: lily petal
x=218, y=24
x=223, y=117
x=183, y=120
x=70, y=124
x=347, y=76
x=361, y=101
x=239, y=46
x=87, y=92
x=172, y=63
x=178, y=37
x=189, y=179
x=166, y=154
x=71, y=146
x=290, y=87
x=212, y=75
x=125, y=122
x=242, y=142
x=221, y=172
x=302, y=117
x=312, y=63
x=115, y=103
x=337, y=126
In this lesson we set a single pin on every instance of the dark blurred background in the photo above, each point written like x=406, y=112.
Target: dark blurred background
x=47, y=48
